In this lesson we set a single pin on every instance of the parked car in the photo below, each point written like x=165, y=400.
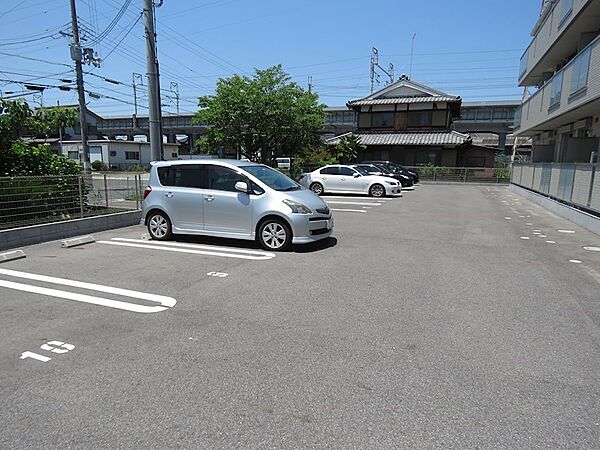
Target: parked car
x=232, y=199
x=396, y=168
x=406, y=181
x=346, y=179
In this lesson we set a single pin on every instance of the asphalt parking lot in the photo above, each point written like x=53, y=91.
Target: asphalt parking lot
x=453, y=317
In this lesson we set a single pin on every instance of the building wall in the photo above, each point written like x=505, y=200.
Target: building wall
x=115, y=153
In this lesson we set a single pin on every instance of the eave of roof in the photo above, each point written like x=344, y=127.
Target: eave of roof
x=408, y=138
x=404, y=100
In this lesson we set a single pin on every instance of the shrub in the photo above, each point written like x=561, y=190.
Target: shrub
x=97, y=165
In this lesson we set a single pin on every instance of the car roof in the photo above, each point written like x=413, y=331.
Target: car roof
x=220, y=161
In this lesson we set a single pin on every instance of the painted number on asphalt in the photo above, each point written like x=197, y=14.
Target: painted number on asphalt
x=50, y=346
x=217, y=274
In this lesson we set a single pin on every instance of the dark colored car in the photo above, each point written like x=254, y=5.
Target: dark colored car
x=396, y=168
x=381, y=169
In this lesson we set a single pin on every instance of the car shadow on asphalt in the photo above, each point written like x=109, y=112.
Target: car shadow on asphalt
x=314, y=246
x=225, y=242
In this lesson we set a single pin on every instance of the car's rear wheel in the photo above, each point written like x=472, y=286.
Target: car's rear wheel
x=317, y=188
x=377, y=190
x=159, y=226
x=274, y=234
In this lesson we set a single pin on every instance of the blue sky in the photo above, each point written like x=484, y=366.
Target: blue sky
x=469, y=48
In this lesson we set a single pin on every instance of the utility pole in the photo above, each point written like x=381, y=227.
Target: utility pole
x=375, y=65
x=310, y=84
x=174, y=87
x=76, y=55
x=155, y=119
x=137, y=81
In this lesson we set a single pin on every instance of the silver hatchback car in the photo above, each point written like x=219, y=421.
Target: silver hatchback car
x=232, y=199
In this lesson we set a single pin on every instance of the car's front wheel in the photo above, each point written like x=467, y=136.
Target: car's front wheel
x=274, y=234
x=317, y=188
x=159, y=226
x=377, y=190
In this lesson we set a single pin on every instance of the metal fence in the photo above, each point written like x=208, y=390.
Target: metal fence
x=575, y=184
x=463, y=174
x=43, y=199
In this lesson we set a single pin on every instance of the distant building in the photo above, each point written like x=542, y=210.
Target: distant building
x=411, y=123
x=118, y=154
x=563, y=62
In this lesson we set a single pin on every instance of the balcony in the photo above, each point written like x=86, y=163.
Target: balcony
x=573, y=93
x=561, y=30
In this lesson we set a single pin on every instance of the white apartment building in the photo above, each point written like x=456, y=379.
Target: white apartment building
x=562, y=66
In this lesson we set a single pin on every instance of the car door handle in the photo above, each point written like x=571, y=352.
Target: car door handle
x=168, y=194
x=209, y=198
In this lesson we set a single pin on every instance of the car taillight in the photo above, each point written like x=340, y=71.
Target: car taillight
x=147, y=192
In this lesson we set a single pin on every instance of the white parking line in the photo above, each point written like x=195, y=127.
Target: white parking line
x=172, y=248
x=198, y=246
x=350, y=210
x=165, y=302
x=354, y=203
x=361, y=198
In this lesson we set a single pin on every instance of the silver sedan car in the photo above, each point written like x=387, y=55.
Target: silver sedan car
x=232, y=199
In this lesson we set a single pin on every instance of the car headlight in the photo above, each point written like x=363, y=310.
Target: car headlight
x=296, y=207
x=393, y=183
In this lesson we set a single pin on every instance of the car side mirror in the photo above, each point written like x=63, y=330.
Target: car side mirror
x=356, y=175
x=241, y=186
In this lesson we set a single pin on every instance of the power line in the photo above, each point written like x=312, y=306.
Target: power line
x=124, y=36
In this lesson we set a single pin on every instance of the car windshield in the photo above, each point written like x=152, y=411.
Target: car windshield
x=272, y=178
x=385, y=168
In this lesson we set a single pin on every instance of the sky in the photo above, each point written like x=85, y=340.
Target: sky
x=469, y=48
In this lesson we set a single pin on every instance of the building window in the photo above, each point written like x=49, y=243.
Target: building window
x=468, y=114
x=418, y=119
x=484, y=114
x=581, y=67
x=565, y=10
x=556, y=91
x=73, y=154
x=174, y=155
x=499, y=114
x=439, y=118
x=132, y=155
x=383, y=120
x=364, y=120
x=113, y=153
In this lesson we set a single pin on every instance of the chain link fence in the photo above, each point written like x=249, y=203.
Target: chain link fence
x=43, y=199
x=463, y=174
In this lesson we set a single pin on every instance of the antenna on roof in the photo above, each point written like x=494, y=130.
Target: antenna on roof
x=412, y=49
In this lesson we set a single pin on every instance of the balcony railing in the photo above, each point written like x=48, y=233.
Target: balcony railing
x=551, y=27
x=574, y=184
x=570, y=87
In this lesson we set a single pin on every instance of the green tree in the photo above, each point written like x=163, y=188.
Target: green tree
x=18, y=157
x=264, y=116
x=348, y=148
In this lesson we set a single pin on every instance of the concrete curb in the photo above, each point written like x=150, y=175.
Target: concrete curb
x=35, y=234
x=582, y=218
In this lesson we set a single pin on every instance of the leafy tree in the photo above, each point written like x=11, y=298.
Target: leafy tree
x=348, y=148
x=264, y=116
x=18, y=157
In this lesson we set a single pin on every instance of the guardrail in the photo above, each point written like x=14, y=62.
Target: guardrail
x=463, y=174
x=44, y=199
x=574, y=184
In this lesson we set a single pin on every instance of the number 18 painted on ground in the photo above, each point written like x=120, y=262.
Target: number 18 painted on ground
x=51, y=346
